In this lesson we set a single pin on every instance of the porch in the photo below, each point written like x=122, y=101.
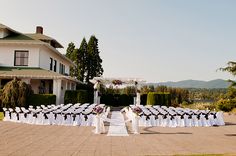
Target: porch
x=41, y=81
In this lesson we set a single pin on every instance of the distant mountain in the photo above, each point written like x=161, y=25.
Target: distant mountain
x=218, y=83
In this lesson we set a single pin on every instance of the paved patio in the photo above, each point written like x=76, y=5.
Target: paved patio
x=21, y=139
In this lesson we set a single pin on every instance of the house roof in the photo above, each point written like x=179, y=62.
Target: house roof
x=18, y=38
x=45, y=38
x=2, y=26
x=7, y=28
x=33, y=73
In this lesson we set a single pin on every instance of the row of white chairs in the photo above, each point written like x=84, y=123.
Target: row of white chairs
x=69, y=114
x=175, y=117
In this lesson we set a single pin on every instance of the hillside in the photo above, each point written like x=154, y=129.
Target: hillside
x=217, y=83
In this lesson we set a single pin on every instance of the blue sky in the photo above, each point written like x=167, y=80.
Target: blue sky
x=157, y=40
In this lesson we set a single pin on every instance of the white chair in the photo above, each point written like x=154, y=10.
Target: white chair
x=7, y=114
x=220, y=119
x=76, y=121
x=14, y=117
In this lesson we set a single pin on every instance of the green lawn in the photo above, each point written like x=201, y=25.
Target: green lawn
x=1, y=116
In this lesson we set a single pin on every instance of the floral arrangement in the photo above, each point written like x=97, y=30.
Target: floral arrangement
x=117, y=82
x=137, y=110
x=98, y=109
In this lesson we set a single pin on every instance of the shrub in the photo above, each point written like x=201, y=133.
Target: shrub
x=70, y=96
x=226, y=105
x=108, y=99
x=77, y=96
x=143, y=98
x=200, y=106
x=117, y=99
x=125, y=100
x=156, y=98
x=82, y=96
x=15, y=93
x=41, y=99
x=89, y=88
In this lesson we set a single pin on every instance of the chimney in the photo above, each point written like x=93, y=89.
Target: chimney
x=39, y=30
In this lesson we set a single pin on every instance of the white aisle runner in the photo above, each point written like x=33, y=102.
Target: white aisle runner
x=117, y=125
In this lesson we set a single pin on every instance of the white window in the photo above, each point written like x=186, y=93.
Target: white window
x=21, y=58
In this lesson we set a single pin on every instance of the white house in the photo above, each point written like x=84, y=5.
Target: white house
x=34, y=59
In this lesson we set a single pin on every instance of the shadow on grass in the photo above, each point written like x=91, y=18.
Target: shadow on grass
x=148, y=131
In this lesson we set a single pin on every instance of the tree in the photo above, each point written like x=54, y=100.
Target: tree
x=82, y=56
x=87, y=59
x=231, y=68
x=93, y=61
x=15, y=93
x=69, y=51
x=71, y=54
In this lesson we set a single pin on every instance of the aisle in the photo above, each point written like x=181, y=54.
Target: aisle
x=117, y=125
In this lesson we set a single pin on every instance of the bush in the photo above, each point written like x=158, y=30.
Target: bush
x=117, y=99
x=15, y=93
x=41, y=99
x=82, y=96
x=156, y=98
x=226, y=105
x=70, y=96
x=143, y=98
x=200, y=106
x=77, y=96
x=125, y=100
x=89, y=88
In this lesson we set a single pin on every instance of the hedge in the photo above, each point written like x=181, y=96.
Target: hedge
x=116, y=99
x=156, y=98
x=121, y=99
x=41, y=99
x=77, y=96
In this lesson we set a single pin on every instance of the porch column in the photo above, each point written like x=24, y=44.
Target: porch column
x=74, y=86
x=66, y=85
x=57, y=84
x=70, y=85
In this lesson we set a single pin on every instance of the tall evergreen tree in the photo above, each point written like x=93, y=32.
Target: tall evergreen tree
x=71, y=54
x=82, y=56
x=69, y=51
x=87, y=59
x=94, y=61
